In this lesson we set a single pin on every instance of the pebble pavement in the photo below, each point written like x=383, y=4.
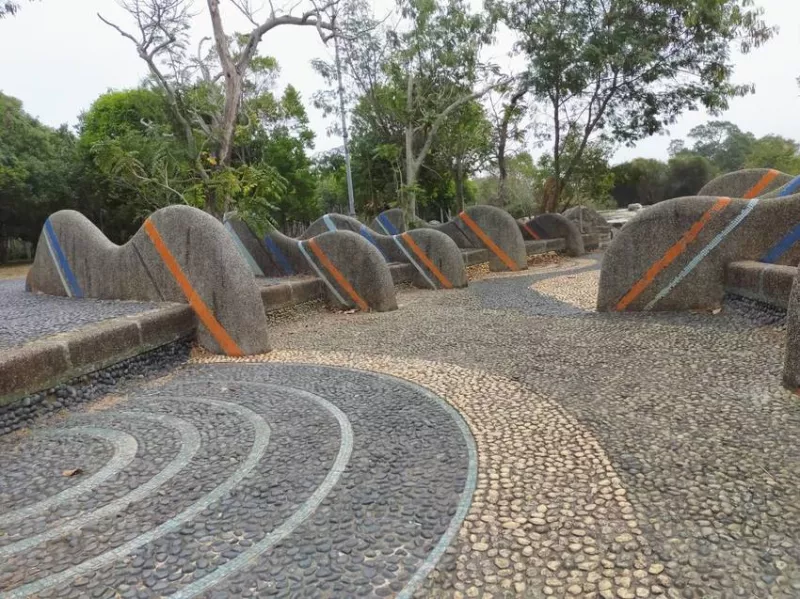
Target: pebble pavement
x=618, y=456
x=26, y=316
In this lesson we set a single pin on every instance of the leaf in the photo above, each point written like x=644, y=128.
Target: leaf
x=72, y=472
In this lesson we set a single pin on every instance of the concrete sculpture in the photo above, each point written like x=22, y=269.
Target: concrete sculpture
x=436, y=259
x=180, y=254
x=673, y=256
x=554, y=226
x=589, y=222
x=353, y=270
x=488, y=227
x=747, y=183
x=390, y=222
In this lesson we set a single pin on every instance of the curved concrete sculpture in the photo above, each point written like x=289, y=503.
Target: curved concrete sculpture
x=492, y=228
x=672, y=256
x=436, y=259
x=353, y=270
x=390, y=222
x=553, y=226
x=180, y=254
x=589, y=221
x=791, y=365
x=748, y=183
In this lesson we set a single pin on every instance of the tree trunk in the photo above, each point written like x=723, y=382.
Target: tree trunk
x=458, y=175
x=502, y=141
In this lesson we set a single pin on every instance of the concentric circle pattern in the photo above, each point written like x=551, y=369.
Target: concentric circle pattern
x=238, y=480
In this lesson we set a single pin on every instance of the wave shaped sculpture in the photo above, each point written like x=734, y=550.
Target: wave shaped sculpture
x=491, y=228
x=749, y=183
x=554, y=226
x=389, y=222
x=353, y=270
x=180, y=254
x=672, y=256
x=437, y=260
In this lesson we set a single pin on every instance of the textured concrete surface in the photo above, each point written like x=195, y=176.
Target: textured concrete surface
x=180, y=254
x=672, y=256
x=390, y=222
x=488, y=227
x=436, y=258
x=746, y=183
x=354, y=272
x=555, y=226
x=589, y=222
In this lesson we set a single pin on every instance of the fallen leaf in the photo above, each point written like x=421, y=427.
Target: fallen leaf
x=716, y=310
x=353, y=311
x=72, y=472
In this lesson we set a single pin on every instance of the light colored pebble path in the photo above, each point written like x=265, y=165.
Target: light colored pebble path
x=579, y=290
x=550, y=515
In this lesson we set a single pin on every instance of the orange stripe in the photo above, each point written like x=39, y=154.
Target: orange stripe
x=762, y=184
x=488, y=242
x=217, y=331
x=343, y=283
x=427, y=261
x=671, y=254
x=530, y=231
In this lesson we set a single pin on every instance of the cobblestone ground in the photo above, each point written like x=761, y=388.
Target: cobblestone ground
x=617, y=456
x=27, y=316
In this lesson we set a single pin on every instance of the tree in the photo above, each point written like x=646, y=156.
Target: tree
x=687, y=174
x=35, y=165
x=724, y=144
x=774, y=151
x=641, y=181
x=412, y=76
x=627, y=68
x=161, y=38
x=8, y=8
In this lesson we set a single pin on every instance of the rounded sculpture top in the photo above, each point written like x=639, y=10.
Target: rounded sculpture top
x=748, y=183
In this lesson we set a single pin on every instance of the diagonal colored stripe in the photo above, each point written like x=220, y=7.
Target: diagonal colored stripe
x=62, y=263
x=57, y=266
x=414, y=263
x=321, y=274
x=703, y=253
x=329, y=222
x=387, y=225
x=784, y=245
x=343, y=283
x=364, y=230
x=530, y=231
x=254, y=267
x=217, y=331
x=671, y=254
x=488, y=242
x=277, y=254
x=756, y=189
x=790, y=188
x=427, y=261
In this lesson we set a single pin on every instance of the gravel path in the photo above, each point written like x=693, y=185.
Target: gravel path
x=618, y=456
x=27, y=316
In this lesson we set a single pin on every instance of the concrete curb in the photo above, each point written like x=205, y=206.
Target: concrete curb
x=44, y=363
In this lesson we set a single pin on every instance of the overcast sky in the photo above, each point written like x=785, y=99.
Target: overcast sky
x=57, y=57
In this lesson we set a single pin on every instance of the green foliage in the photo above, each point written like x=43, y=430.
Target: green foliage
x=773, y=151
x=36, y=168
x=627, y=68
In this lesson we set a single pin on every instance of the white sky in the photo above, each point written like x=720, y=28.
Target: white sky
x=57, y=57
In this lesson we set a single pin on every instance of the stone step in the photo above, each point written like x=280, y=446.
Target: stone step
x=283, y=292
x=768, y=283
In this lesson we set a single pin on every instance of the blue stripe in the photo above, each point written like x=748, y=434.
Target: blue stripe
x=791, y=187
x=368, y=236
x=63, y=264
x=276, y=252
x=783, y=246
x=387, y=224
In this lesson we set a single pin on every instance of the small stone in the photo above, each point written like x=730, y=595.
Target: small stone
x=480, y=547
x=626, y=594
x=656, y=569
x=642, y=592
x=502, y=563
x=624, y=538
